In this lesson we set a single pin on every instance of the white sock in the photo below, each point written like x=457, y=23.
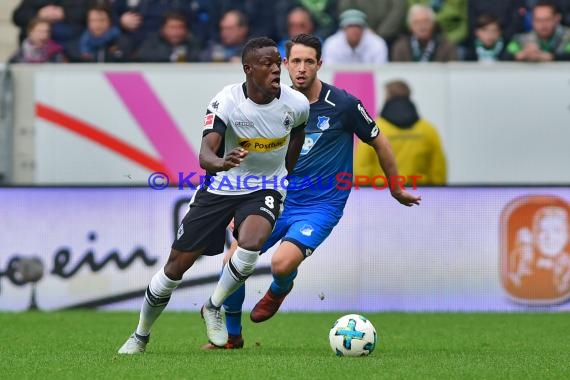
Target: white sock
x=235, y=272
x=156, y=298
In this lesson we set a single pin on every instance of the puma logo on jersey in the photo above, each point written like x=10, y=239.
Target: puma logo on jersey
x=261, y=144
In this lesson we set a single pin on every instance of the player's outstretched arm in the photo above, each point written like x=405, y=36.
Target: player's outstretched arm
x=210, y=161
x=386, y=158
x=294, y=150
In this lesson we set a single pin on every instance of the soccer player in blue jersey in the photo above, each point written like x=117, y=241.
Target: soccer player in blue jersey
x=312, y=206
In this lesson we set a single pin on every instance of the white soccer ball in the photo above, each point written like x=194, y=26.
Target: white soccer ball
x=353, y=335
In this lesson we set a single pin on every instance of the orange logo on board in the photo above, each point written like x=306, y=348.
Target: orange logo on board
x=535, y=250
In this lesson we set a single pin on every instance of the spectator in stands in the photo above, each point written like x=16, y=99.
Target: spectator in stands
x=233, y=35
x=324, y=13
x=385, y=17
x=101, y=41
x=424, y=44
x=354, y=42
x=548, y=41
x=415, y=142
x=38, y=47
x=172, y=44
x=451, y=16
x=260, y=13
x=488, y=45
x=66, y=16
x=511, y=15
x=299, y=21
x=139, y=19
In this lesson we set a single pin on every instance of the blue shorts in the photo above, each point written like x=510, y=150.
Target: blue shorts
x=305, y=227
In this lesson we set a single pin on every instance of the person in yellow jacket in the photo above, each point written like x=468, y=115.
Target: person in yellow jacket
x=415, y=142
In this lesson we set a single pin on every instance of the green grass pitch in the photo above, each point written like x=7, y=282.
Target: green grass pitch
x=82, y=345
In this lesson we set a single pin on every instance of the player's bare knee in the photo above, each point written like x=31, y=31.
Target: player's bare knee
x=280, y=266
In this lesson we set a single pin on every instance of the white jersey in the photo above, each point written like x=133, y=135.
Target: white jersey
x=261, y=129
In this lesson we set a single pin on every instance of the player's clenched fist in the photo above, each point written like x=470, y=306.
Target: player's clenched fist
x=233, y=158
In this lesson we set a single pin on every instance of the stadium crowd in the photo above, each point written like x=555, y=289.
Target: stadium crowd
x=353, y=31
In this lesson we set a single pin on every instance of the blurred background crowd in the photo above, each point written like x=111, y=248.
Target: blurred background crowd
x=353, y=31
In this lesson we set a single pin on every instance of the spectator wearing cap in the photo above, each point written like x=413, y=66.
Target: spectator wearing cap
x=385, y=17
x=354, y=42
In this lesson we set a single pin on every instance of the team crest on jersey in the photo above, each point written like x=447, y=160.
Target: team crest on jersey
x=288, y=120
x=209, y=121
x=323, y=122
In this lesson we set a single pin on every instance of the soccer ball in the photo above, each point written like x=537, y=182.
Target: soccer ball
x=352, y=335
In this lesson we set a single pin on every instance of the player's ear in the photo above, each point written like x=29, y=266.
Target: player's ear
x=247, y=68
x=319, y=64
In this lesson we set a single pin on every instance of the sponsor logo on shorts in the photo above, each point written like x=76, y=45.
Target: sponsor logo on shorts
x=263, y=145
x=308, y=252
x=307, y=230
x=267, y=211
x=535, y=250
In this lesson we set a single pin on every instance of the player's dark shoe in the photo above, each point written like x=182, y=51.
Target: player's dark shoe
x=234, y=342
x=266, y=307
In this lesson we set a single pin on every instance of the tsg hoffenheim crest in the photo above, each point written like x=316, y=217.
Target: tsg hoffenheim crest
x=323, y=122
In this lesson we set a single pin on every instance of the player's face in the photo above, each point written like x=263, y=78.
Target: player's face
x=266, y=70
x=302, y=65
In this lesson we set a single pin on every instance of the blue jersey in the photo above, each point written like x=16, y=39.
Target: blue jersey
x=327, y=153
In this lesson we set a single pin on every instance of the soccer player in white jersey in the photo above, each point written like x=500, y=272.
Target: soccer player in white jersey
x=253, y=134
x=335, y=118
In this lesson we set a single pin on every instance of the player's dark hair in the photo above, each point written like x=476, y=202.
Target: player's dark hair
x=254, y=44
x=307, y=40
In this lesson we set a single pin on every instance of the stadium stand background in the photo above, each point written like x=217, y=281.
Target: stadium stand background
x=8, y=32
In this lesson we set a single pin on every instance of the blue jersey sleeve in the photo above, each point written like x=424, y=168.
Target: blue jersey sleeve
x=359, y=121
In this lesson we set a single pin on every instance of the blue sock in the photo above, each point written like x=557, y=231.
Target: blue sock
x=282, y=285
x=232, y=306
